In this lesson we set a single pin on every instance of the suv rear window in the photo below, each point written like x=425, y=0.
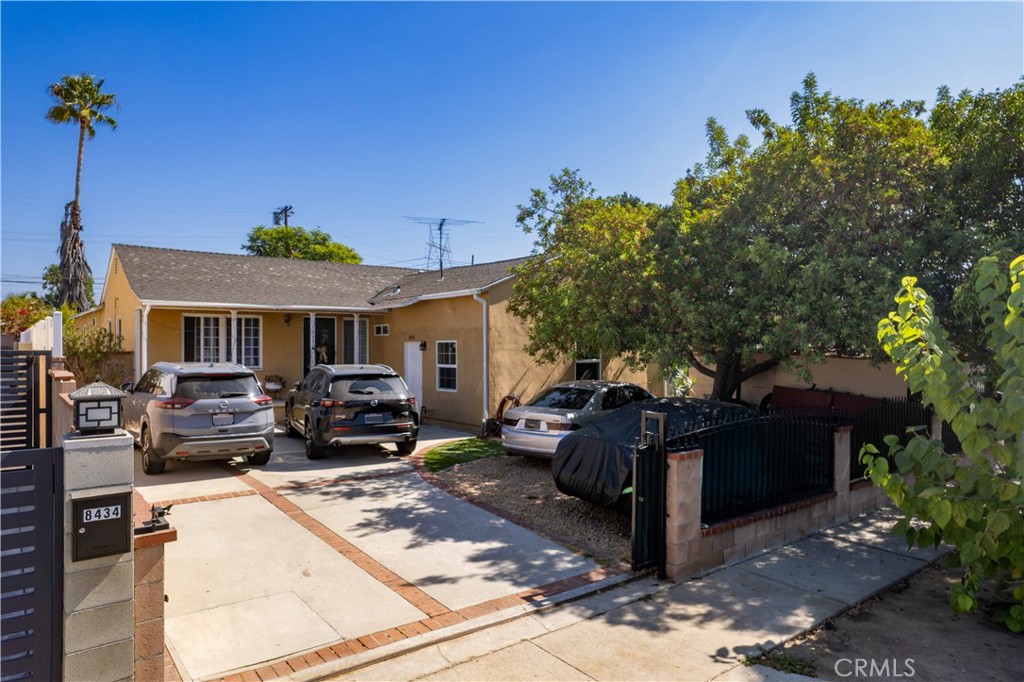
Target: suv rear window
x=226, y=386
x=363, y=387
x=563, y=398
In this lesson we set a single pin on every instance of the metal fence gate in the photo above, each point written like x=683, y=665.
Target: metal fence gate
x=649, y=473
x=31, y=635
x=25, y=402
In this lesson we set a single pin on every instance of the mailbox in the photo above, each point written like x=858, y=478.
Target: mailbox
x=102, y=526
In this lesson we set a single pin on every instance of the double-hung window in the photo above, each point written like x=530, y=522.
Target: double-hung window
x=447, y=366
x=209, y=338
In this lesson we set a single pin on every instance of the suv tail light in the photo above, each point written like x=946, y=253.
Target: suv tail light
x=173, y=403
x=327, y=403
x=263, y=400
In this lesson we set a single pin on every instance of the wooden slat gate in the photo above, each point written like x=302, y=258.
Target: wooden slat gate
x=650, y=466
x=25, y=402
x=31, y=635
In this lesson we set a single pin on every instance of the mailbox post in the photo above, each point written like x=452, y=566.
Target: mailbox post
x=99, y=624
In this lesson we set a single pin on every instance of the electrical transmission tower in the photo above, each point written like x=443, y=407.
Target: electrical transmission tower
x=439, y=247
x=281, y=215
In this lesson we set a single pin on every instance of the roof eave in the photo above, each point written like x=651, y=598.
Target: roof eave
x=255, y=306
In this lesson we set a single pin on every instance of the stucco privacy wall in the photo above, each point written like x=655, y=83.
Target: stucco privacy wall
x=846, y=375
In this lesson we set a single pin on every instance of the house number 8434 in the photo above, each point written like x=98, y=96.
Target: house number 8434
x=101, y=513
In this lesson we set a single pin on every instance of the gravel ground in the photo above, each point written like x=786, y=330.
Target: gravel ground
x=523, y=486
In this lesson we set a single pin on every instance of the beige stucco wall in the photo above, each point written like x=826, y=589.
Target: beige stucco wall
x=118, y=301
x=846, y=375
x=514, y=372
x=282, y=343
x=452, y=319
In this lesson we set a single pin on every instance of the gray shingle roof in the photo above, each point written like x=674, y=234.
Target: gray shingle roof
x=464, y=278
x=158, y=274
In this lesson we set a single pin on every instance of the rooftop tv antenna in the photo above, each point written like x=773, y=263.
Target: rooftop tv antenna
x=281, y=215
x=438, y=245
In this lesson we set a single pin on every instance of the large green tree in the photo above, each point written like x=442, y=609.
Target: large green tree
x=296, y=242
x=981, y=135
x=80, y=101
x=786, y=248
x=572, y=291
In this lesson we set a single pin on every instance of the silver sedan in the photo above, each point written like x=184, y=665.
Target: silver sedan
x=535, y=428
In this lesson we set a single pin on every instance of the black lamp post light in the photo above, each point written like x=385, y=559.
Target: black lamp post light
x=97, y=409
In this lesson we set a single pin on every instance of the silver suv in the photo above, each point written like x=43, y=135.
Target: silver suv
x=199, y=411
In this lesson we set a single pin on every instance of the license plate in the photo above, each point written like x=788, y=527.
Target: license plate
x=373, y=419
x=223, y=419
x=533, y=424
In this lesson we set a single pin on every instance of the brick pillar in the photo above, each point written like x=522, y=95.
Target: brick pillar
x=149, y=608
x=683, y=538
x=841, y=473
x=98, y=593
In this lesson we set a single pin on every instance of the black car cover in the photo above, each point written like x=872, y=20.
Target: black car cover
x=595, y=462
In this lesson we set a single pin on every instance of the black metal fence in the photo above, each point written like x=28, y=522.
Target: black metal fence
x=950, y=442
x=762, y=463
x=891, y=416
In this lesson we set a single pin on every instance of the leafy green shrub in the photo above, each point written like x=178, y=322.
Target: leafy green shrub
x=972, y=501
x=94, y=354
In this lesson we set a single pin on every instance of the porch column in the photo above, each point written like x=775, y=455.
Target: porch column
x=144, y=340
x=356, y=340
x=231, y=336
x=312, y=340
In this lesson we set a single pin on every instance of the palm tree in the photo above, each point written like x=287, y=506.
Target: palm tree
x=80, y=100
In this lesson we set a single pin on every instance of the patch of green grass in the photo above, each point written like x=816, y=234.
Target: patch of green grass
x=460, y=451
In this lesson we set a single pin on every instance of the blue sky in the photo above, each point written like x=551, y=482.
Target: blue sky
x=358, y=114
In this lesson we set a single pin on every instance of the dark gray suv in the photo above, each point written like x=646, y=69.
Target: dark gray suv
x=339, y=405
x=199, y=411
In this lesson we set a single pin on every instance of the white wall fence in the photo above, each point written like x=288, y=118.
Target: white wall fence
x=46, y=334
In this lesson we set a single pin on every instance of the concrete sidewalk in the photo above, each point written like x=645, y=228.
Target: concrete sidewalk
x=649, y=630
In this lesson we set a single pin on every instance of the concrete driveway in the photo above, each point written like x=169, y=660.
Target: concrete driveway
x=278, y=564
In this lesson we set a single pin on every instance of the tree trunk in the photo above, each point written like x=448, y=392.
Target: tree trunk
x=727, y=376
x=78, y=169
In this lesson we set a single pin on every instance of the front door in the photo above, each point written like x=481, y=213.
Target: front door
x=413, y=373
x=325, y=343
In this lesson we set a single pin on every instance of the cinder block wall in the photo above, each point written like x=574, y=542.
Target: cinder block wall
x=99, y=606
x=692, y=550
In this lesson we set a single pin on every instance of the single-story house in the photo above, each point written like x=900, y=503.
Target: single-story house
x=451, y=338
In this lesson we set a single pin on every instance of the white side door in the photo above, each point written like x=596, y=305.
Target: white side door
x=413, y=373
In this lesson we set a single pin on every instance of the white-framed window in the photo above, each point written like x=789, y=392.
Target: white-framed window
x=208, y=338
x=248, y=341
x=381, y=329
x=447, y=366
x=588, y=368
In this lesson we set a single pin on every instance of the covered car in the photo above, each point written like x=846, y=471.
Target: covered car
x=595, y=463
